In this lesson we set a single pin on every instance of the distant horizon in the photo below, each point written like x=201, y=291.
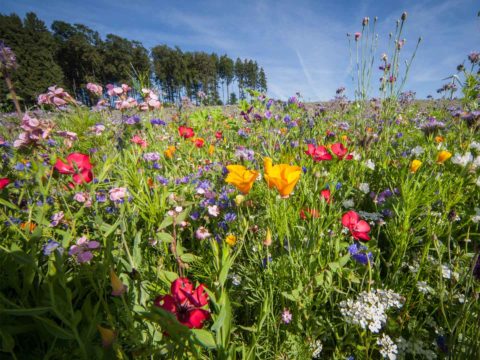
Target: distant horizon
x=302, y=47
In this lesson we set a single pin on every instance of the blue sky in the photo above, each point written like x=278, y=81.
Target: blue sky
x=301, y=44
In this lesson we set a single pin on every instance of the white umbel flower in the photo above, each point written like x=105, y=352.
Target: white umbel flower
x=388, y=349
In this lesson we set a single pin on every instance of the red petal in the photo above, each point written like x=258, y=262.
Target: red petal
x=166, y=302
x=4, y=182
x=360, y=235
x=326, y=195
x=200, y=296
x=84, y=176
x=82, y=161
x=311, y=150
x=196, y=317
x=362, y=226
x=63, y=168
x=350, y=219
x=339, y=150
x=179, y=287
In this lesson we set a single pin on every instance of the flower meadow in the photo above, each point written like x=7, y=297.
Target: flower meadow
x=270, y=230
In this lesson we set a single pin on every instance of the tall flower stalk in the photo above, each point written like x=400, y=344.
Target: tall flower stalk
x=8, y=64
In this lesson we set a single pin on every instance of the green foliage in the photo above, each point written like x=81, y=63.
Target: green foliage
x=34, y=47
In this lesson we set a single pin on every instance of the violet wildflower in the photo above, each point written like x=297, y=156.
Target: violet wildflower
x=151, y=156
x=50, y=247
x=56, y=218
x=243, y=153
x=132, y=120
x=157, y=122
x=83, y=249
x=286, y=316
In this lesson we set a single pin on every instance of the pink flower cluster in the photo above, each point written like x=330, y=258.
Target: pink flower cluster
x=95, y=89
x=34, y=131
x=125, y=101
x=55, y=96
x=151, y=100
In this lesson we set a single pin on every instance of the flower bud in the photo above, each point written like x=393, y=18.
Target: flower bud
x=268, y=238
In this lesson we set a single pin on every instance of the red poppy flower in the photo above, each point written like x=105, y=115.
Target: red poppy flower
x=309, y=214
x=199, y=142
x=339, y=150
x=4, y=182
x=218, y=135
x=77, y=165
x=185, y=132
x=358, y=228
x=318, y=153
x=186, y=303
x=326, y=194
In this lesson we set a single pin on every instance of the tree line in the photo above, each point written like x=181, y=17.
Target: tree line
x=71, y=55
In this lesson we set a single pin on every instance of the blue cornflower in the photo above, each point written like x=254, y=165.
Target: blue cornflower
x=229, y=217
x=157, y=122
x=359, y=254
x=162, y=180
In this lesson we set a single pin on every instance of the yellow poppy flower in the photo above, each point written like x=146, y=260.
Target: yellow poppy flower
x=415, y=165
x=241, y=178
x=283, y=177
x=443, y=156
x=231, y=240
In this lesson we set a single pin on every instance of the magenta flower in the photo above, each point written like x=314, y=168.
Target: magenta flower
x=83, y=249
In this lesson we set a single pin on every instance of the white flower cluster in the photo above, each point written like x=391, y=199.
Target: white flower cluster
x=388, y=349
x=316, y=349
x=364, y=187
x=369, y=309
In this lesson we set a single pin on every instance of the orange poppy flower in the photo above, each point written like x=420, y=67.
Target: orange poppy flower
x=241, y=178
x=284, y=177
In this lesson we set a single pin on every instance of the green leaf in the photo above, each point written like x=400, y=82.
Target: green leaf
x=188, y=258
x=165, y=237
x=166, y=222
x=167, y=276
x=55, y=330
x=8, y=204
x=204, y=338
x=26, y=312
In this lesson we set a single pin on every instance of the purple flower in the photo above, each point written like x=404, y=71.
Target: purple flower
x=229, y=217
x=157, y=122
x=359, y=254
x=83, y=249
x=132, y=120
x=56, y=218
x=244, y=154
x=162, y=180
x=286, y=316
x=151, y=156
x=51, y=246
